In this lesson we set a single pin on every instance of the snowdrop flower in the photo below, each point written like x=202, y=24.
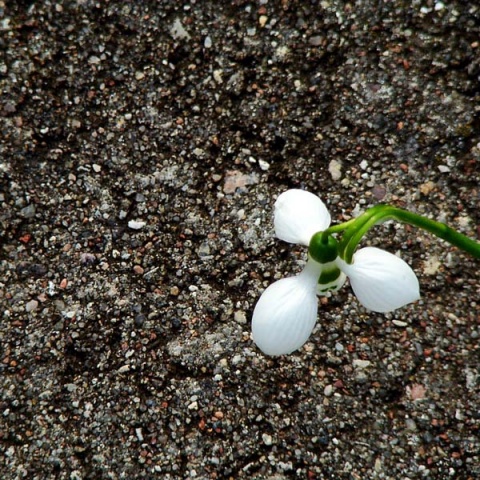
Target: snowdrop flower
x=286, y=313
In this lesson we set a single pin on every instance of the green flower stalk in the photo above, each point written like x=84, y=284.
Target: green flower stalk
x=354, y=231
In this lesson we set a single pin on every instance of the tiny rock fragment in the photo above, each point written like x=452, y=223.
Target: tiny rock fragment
x=267, y=439
x=235, y=179
x=427, y=187
x=28, y=211
x=357, y=363
x=136, y=225
x=379, y=192
x=31, y=306
x=25, y=238
x=263, y=165
x=416, y=391
x=240, y=317
x=138, y=270
x=315, y=41
x=335, y=169
x=328, y=390
x=217, y=76
x=178, y=32
x=431, y=265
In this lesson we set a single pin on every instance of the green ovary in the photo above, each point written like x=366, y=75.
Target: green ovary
x=323, y=248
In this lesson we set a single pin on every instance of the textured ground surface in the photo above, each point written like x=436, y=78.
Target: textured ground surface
x=124, y=346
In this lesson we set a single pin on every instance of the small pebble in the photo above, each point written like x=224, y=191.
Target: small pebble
x=328, y=390
x=335, y=169
x=136, y=225
x=263, y=165
x=138, y=270
x=267, y=439
x=240, y=317
x=361, y=363
x=31, y=306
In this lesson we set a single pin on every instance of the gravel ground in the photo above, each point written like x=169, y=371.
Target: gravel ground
x=143, y=145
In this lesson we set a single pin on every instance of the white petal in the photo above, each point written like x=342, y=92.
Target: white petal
x=286, y=313
x=381, y=281
x=299, y=215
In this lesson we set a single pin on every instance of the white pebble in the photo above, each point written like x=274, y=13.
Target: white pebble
x=361, y=363
x=240, y=317
x=31, y=306
x=236, y=359
x=136, y=225
x=263, y=165
x=267, y=439
x=335, y=169
x=178, y=32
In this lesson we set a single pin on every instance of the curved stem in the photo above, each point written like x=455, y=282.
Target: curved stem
x=356, y=225
x=337, y=228
x=386, y=212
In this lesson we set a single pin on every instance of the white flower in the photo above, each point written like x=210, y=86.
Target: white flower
x=285, y=314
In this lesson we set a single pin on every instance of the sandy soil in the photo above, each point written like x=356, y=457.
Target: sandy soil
x=143, y=145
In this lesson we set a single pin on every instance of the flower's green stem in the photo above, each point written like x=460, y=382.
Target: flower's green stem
x=382, y=213
x=338, y=228
x=354, y=226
